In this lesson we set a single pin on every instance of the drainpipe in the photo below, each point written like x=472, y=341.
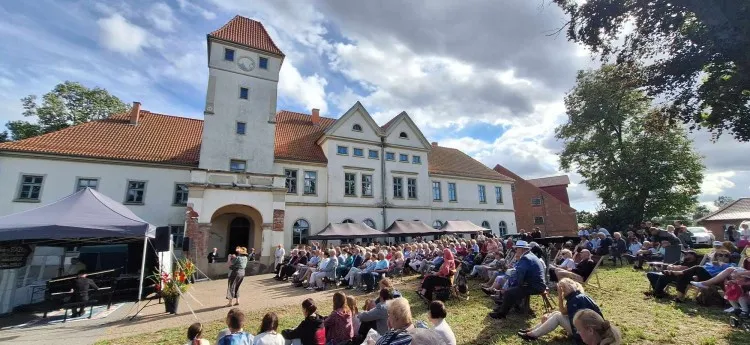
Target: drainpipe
x=382, y=177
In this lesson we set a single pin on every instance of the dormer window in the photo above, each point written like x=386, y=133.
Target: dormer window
x=403, y=135
x=228, y=54
x=357, y=127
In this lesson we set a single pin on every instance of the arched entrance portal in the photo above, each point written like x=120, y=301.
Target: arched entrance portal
x=239, y=232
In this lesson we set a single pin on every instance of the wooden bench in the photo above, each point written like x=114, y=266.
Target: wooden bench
x=76, y=305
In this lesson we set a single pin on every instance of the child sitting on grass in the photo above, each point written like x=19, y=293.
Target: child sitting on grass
x=233, y=334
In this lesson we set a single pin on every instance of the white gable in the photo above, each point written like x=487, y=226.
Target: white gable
x=403, y=132
x=356, y=123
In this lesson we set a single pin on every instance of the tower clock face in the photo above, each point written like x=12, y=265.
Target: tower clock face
x=246, y=64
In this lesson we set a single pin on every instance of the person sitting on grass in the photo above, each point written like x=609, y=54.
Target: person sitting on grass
x=267, y=334
x=377, y=313
x=682, y=278
x=400, y=321
x=233, y=334
x=386, y=283
x=570, y=299
x=437, y=314
x=732, y=275
x=194, y=333
x=580, y=273
x=594, y=330
x=351, y=302
x=338, y=324
x=311, y=330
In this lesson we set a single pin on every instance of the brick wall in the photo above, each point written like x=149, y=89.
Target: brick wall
x=559, y=218
x=559, y=192
x=198, y=233
x=278, y=220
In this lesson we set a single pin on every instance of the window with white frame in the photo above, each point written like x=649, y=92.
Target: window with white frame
x=291, y=181
x=416, y=159
x=403, y=135
x=347, y=221
x=503, y=228
x=373, y=154
x=342, y=150
x=499, y=194
x=136, y=193
x=369, y=222
x=366, y=185
x=411, y=185
x=536, y=201
x=350, y=182
x=262, y=62
x=180, y=194
x=357, y=152
x=486, y=225
x=178, y=235
x=311, y=182
x=390, y=156
x=436, y=191
x=398, y=187
x=482, y=194
x=86, y=182
x=30, y=188
x=538, y=220
x=237, y=165
x=452, y=195
x=404, y=158
x=357, y=127
x=300, y=231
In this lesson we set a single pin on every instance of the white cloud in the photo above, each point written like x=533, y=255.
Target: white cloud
x=121, y=36
x=715, y=183
x=306, y=91
x=189, y=7
x=161, y=16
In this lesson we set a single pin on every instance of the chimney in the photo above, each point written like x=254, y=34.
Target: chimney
x=315, y=116
x=434, y=144
x=135, y=113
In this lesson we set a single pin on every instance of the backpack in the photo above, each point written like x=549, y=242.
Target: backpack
x=241, y=338
x=463, y=287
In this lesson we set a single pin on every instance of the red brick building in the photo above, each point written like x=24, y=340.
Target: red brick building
x=733, y=213
x=542, y=203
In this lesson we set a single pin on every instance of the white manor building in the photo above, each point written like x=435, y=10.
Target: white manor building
x=249, y=175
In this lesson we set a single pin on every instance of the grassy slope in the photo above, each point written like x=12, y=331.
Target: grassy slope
x=643, y=321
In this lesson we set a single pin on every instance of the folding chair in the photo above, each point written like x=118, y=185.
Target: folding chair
x=672, y=256
x=548, y=303
x=595, y=274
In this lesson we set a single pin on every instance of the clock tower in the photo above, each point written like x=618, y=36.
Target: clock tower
x=238, y=127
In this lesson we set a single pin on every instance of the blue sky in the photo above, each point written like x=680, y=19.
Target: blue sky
x=478, y=75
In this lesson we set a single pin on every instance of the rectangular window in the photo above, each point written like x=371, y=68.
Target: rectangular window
x=374, y=154
x=262, y=62
x=178, y=234
x=180, y=194
x=82, y=183
x=499, y=195
x=452, y=195
x=237, y=165
x=436, y=192
x=241, y=127
x=136, y=193
x=244, y=92
x=482, y=194
x=536, y=201
x=30, y=188
x=311, y=182
x=291, y=181
x=398, y=187
x=538, y=220
x=416, y=159
x=350, y=182
x=403, y=158
x=411, y=185
x=366, y=185
x=358, y=152
x=390, y=156
x=228, y=54
x=342, y=150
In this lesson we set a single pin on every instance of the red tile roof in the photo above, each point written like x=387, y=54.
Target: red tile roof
x=168, y=139
x=296, y=137
x=247, y=32
x=561, y=180
x=157, y=138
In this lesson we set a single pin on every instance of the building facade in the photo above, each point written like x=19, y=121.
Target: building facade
x=250, y=175
x=536, y=207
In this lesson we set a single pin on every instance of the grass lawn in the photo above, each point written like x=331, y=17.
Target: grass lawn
x=642, y=321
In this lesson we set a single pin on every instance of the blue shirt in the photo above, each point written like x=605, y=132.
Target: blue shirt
x=382, y=265
x=530, y=272
x=370, y=266
x=314, y=260
x=713, y=270
x=576, y=301
x=475, y=248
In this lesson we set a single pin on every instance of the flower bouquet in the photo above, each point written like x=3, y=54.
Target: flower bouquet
x=172, y=285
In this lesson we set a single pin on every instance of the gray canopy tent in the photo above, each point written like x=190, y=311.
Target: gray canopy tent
x=461, y=227
x=411, y=228
x=85, y=216
x=341, y=231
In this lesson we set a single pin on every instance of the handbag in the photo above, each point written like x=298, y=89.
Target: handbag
x=732, y=290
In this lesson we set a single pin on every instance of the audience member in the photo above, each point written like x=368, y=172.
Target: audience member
x=400, y=321
x=194, y=333
x=339, y=329
x=311, y=330
x=580, y=273
x=379, y=313
x=267, y=334
x=234, y=334
x=594, y=330
x=441, y=278
x=351, y=302
x=529, y=281
x=659, y=281
x=437, y=314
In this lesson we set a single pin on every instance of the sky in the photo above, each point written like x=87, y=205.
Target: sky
x=483, y=76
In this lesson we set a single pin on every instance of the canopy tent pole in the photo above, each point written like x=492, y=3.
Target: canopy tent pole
x=143, y=267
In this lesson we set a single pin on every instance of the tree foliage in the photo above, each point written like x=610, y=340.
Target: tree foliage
x=68, y=104
x=695, y=54
x=638, y=167
x=723, y=200
x=700, y=211
x=586, y=217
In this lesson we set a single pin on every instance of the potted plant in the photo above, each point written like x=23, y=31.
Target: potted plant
x=172, y=285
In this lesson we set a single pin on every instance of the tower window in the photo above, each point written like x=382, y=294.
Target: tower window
x=228, y=54
x=236, y=165
x=403, y=135
x=241, y=127
x=244, y=92
x=262, y=63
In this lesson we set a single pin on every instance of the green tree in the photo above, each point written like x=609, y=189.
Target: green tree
x=639, y=168
x=4, y=136
x=700, y=211
x=586, y=217
x=723, y=200
x=695, y=52
x=68, y=104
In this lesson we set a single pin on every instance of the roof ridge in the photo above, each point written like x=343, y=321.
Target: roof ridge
x=539, y=178
x=303, y=114
x=174, y=116
x=720, y=209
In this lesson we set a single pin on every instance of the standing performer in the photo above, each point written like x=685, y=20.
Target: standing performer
x=236, y=275
x=279, y=256
x=81, y=286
